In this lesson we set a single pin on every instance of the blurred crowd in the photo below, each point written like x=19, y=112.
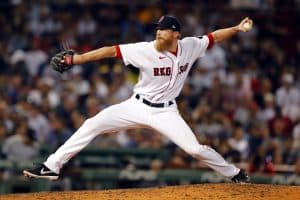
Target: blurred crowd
x=242, y=98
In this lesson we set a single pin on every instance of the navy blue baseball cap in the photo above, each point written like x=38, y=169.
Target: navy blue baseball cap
x=168, y=22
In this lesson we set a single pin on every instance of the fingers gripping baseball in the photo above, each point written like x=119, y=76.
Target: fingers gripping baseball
x=245, y=25
x=62, y=61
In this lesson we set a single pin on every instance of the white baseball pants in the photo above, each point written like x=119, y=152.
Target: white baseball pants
x=132, y=113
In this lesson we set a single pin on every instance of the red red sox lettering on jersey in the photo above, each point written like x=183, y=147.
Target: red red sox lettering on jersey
x=166, y=71
x=161, y=71
x=162, y=74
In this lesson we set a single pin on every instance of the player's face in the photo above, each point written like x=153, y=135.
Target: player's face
x=165, y=38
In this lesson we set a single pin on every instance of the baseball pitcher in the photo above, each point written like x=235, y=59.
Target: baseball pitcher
x=164, y=65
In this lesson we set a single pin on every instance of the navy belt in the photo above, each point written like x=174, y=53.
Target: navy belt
x=156, y=105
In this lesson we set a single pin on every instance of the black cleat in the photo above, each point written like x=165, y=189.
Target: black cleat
x=241, y=177
x=41, y=171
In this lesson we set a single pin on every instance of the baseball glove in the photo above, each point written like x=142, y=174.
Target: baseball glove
x=62, y=61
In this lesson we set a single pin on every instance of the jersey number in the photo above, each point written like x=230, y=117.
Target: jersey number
x=162, y=71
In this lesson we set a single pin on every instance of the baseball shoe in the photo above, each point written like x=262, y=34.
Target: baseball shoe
x=241, y=177
x=41, y=171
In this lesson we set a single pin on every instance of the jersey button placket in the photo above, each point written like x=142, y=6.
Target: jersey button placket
x=175, y=73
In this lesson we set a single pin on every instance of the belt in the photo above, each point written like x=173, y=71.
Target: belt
x=156, y=105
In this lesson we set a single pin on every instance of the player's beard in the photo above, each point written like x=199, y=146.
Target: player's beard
x=162, y=44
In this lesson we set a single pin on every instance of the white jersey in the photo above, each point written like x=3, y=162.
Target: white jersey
x=162, y=74
x=161, y=78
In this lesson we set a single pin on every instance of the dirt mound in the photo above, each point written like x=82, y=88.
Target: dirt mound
x=188, y=192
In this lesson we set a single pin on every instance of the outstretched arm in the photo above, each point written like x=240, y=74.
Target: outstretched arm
x=97, y=54
x=64, y=60
x=226, y=33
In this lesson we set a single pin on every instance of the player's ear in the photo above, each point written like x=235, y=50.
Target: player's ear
x=178, y=35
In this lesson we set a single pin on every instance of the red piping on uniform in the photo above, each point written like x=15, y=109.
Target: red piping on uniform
x=172, y=71
x=211, y=41
x=169, y=81
x=177, y=70
x=119, y=54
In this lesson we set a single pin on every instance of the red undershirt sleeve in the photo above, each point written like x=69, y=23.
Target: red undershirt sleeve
x=211, y=40
x=119, y=54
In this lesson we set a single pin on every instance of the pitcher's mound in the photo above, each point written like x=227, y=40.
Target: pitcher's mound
x=188, y=192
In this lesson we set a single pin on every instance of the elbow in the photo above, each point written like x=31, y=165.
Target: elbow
x=216, y=38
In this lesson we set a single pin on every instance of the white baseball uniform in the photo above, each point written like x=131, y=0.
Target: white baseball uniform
x=161, y=79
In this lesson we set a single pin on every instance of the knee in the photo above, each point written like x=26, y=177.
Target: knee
x=99, y=123
x=88, y=121
x=90, y=124
x=195, y=150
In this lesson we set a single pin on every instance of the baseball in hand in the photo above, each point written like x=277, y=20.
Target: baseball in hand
x=247, y=26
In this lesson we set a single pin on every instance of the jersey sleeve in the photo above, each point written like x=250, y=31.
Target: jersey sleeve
x=129, y=53
x=202, y=43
